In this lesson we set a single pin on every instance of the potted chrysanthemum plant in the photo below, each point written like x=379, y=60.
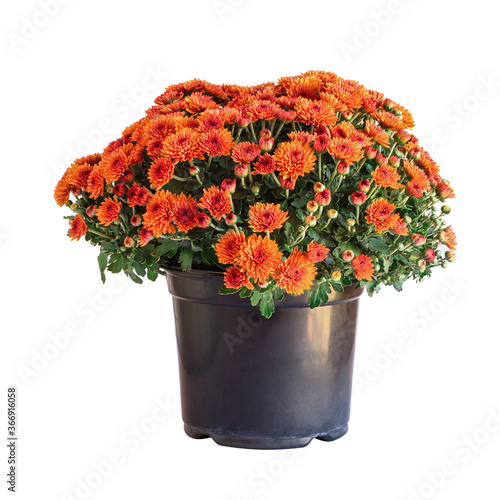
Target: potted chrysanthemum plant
x=269, y=208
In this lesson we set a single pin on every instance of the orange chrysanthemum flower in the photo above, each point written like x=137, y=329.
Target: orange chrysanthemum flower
x=183, y=145
x=266, y=164
x=145, y=236
x=216, y=201
x=304, y=137
x=95, y=183
x=296, y=273
x=444, y=189
x=399, y=227
x=114, y=164
x=387, y=176
x=160, y=172
x=316, y=252
x=377, y=134
x=266, y=217
x=63, y=188
x=315, y=112
x=413, y=188
x=388, y=120
x=380, y=213
x=185, y=212
x=109, y=211
x=245, y=152
x=79, y=175
x=78, y=228
x=198, y=101
x=345, y=149
x=159, y=213
x=228, y=247
x=235, y=278
x=211, y=119
x=449, y=238
x=363, y=267
x=263, y=110
x=259, y=257
x=217, y=142
x=293, y=159
x=417, y=175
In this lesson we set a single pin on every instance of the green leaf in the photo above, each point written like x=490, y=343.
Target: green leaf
x=245, y=292
x=398, y=285
x=210, y=256
x=118, y=263
x=267, y=304
x=166, y=247
x=132, y=274
x=371, y=287
x=338, y=287
x=151, y=274
x=319, y=295
x=186, y=258
x=102, y=260
x=227, y=291
x=377, y=245
x=255, y=298
x=139, y=268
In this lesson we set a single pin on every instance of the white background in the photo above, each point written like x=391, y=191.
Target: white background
x=72, y=80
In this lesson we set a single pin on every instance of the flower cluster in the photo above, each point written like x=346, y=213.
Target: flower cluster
x=308, y=185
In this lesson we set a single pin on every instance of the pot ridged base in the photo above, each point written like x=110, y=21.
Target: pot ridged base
x=251, y=382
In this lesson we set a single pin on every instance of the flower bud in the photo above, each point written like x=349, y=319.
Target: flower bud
x=401, y=246
x=266, y=141
x=241, y=170
x=332, y=213
x=388, y=104
x=370, y=152
x=91, y=210
x=422, y=264
x=231, y=219
x=129, y=242
x=194, y=170
x=287, y=183
x=109, y=189
x=119, y=189
x=430, y=254
x=203, y=219
x=336, y=275
x=394, y=161
x=348, y=255
x=380, y=159
x=418, y=240
x=364, y=185
x=357, y=198
x=321, y=143
x=402, y=136
x=323, y=197
x=312, y=206
x=350, y=222
x=444, y=264
x=136, y=220
x=242, y=120
x=407, y=219
x=450, y=256
x=343, y=168
x=318, y=187
x=255, y=190
x=445, y=209
x=228, y=185
x=311, y=220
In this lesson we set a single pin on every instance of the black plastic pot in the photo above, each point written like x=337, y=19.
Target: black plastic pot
x=252, y=382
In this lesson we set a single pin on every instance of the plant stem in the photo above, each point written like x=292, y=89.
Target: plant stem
x=319, y=165
x=253, y=131
x=182, y=179
x=90, y=230
x=279, y=130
